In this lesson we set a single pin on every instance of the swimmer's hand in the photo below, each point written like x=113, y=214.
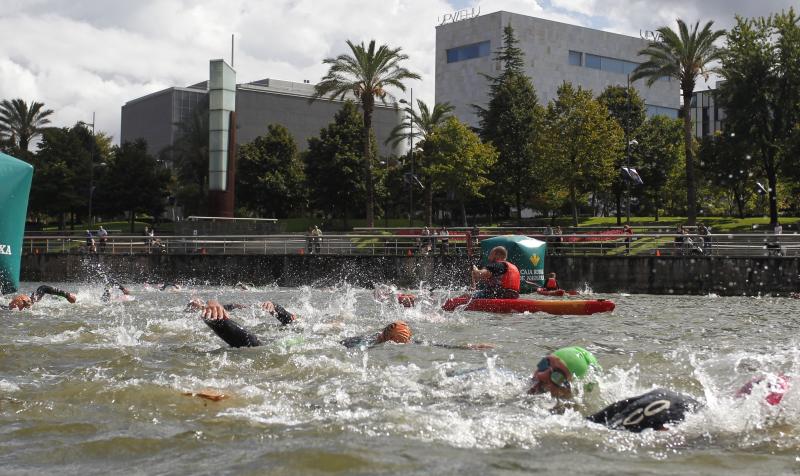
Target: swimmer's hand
x=268, y=307
x=214, y=311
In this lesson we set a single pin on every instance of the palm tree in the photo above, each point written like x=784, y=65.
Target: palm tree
x=366, y=74
x=420, y=126
x=22, y=122
x=684, y=56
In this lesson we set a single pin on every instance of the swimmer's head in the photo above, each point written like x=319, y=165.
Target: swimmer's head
x=20, y=301
x=397, y=331
x=551, y=275
x=71, y=297
x=777, y=387
x=194, y=304
x=556, y=372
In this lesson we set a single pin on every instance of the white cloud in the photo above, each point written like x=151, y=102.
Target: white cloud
x=83, y=56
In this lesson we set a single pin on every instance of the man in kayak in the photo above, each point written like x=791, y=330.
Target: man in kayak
x=559, y=372
x=551, y=284
x=21, y=301
x=500, y=279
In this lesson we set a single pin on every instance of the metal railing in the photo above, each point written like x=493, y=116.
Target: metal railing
x=596, y=244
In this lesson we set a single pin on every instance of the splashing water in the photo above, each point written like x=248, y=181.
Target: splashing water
x=98, y=385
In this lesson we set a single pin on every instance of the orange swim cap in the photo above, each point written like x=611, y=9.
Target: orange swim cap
x=20, y=301
x=397, y=331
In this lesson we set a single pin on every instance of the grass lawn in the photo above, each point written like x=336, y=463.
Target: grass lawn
x=717, y=224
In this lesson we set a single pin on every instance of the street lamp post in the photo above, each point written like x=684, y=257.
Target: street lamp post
x=411, y=156
x=91, y=174
x=628, y=147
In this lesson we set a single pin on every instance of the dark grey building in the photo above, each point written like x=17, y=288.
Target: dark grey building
x=155, y=117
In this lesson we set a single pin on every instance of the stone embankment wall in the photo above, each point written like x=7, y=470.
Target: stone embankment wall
x=651, y=275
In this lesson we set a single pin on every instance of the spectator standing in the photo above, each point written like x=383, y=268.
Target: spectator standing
x=103, y=235
x=317, y=240
x=628, y=231
x=445, y=240
x=90, y=245
x=557, y=241
x=310, y=240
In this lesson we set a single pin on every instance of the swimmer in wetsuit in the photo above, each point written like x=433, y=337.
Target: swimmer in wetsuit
x=399, y=332
x=21, y=301
x=106, y=297
x=215, y=315
x=558, y=372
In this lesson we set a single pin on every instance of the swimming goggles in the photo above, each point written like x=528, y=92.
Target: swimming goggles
x=558, y=377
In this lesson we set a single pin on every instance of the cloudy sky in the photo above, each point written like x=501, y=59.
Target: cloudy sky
x=80, y=56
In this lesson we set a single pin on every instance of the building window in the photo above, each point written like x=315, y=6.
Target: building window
x=652, y=110
x=576, y=58
x=593, y=61
x=475, y=50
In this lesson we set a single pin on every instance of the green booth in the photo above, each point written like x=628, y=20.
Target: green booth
x=15, y=180
x=526, y=253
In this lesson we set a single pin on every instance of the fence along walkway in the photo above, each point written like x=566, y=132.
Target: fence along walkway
x=584, y=244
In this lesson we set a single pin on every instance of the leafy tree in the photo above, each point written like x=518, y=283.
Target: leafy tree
x=366, y=73
x=658, y=151
x=512, y=121
x=270, y=174
x=22, y=122
x=334, y=164
x=458, y=161
x=683, y=55
x=761, y=92
x=62, y=164
x=581, y=143
x=630, y=115
x=189, y=153
x=421, y=125
x=134, y=182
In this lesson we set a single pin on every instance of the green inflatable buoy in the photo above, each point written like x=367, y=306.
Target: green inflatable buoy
x=15, y=177
x=526, y=253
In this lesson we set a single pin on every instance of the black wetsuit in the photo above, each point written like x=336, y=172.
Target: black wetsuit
x=652, y=410
x=106, y=297
x=237, y=336
x=372, y=340
x=45, y=289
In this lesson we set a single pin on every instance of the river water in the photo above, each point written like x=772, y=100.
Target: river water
x=94, y=388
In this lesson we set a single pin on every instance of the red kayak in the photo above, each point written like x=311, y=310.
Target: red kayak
x=583, y=307
x=556, y=292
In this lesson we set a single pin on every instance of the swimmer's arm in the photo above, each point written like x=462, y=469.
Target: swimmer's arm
x=361, y=341
x=234, y=306
x=281, y=314
x=468, y=346
x=45, y=289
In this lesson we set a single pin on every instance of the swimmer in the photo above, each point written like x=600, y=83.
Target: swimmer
x=106, y=297
x=170, y=286
x=399, y=332
x=197, y=304
x=21, y=301
x=216, y=317
x=558, y=373
x=242, y=286
x=500, y=279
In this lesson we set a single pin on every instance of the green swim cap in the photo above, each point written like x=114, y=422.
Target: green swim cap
x=577, y=360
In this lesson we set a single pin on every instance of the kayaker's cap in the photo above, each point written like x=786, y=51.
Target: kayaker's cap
x=577, y=360
x=397, y=331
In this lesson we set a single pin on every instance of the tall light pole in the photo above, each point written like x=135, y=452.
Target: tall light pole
x=628, y=146
x=91, y=173
x=411, y=154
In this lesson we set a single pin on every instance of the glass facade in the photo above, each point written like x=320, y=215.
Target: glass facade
x=661, y=111
x=604, y=63
x=466, y=52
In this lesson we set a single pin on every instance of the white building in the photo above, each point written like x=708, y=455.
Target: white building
x=554, y=53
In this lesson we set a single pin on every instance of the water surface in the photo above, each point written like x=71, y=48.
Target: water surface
x=94, y=388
